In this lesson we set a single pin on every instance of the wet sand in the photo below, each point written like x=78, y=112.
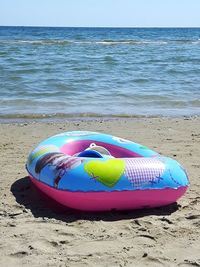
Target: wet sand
x=37, y=232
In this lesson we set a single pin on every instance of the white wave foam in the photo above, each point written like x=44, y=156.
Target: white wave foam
x=99, y=42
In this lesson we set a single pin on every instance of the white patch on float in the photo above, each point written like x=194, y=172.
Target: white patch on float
x=121, y=140
x=76, y=133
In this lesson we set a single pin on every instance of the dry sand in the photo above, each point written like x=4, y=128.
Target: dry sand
x=36, y=232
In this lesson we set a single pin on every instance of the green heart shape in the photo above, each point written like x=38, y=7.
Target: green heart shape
x=107, y=172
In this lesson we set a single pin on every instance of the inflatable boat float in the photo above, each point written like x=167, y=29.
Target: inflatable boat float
x=97, y=172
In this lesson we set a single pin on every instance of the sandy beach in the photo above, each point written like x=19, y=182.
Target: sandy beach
x=37, y=232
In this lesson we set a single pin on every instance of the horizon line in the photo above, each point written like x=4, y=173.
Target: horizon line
x=114, y=27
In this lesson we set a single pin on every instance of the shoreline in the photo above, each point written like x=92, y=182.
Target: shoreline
x=60, y=118
x=33, y=228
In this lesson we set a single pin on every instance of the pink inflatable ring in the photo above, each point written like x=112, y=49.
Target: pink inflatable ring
x=95, y=172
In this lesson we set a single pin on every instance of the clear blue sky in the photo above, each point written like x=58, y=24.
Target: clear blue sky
x=100, y=13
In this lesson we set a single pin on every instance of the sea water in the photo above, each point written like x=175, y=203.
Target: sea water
x=99, y=71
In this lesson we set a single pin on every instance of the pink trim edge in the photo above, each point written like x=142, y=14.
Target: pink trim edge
x=102, y=201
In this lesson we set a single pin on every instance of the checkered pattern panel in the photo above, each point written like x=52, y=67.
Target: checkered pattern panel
x=143, y=171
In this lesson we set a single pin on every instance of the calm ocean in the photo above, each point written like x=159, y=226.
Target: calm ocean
x=99, y=71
